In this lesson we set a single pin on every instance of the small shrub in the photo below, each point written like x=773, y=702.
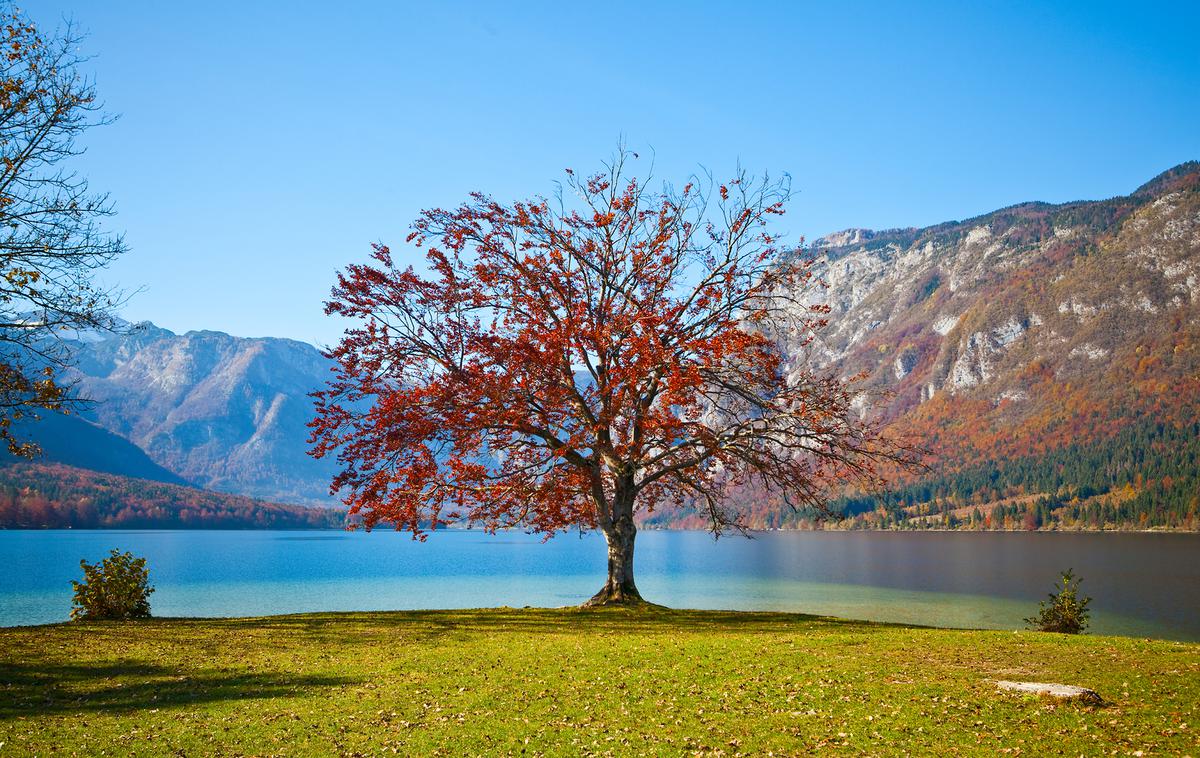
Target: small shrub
x=1065, y=612
x=116, y=588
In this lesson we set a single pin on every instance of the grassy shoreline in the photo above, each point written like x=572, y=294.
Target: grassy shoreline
x=566, y=681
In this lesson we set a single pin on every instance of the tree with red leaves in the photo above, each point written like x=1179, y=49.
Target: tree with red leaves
x=569, y=363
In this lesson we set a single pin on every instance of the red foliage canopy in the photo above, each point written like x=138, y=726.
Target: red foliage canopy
x=567, y=363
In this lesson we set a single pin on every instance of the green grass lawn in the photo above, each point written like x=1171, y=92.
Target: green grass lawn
x=569, y=682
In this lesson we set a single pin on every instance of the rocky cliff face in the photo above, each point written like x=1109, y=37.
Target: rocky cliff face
x=1031, y=323
x=223, y=412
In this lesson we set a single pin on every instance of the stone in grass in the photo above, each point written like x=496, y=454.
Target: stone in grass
x=1057, y=691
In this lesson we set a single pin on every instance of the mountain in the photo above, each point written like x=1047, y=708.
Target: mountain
x=222, y=412
x=1047, y=355
x=54, y=496
x=1036, y=295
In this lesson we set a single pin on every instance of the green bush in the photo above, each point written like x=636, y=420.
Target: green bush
x=116, y=588
x=1065, y=612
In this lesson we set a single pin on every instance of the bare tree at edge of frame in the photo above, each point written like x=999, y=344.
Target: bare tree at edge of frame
x=51, y=239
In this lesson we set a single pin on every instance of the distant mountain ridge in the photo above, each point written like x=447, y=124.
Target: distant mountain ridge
x=225, y=413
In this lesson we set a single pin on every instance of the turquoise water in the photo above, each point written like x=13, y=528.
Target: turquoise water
x=1142, y=584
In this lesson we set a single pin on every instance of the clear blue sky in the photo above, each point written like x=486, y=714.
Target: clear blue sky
x=264, y=145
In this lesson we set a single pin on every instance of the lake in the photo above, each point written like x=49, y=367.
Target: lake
x=1142, y=584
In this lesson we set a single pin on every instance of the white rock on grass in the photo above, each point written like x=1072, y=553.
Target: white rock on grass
x=1049, y=689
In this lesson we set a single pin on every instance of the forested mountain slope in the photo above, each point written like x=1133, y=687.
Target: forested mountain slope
x=1048, y=355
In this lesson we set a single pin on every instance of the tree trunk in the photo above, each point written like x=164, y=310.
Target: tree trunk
x=619, y=589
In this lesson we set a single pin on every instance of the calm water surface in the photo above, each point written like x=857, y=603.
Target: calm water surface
x=1142, y=584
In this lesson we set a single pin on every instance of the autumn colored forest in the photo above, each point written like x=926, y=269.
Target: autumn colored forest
x=49, y=496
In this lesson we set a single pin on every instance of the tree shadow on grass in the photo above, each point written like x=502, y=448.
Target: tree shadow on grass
x=340, y=627
x=41, y=688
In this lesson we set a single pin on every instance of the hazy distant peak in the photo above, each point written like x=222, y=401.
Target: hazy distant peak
x=228, y=413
